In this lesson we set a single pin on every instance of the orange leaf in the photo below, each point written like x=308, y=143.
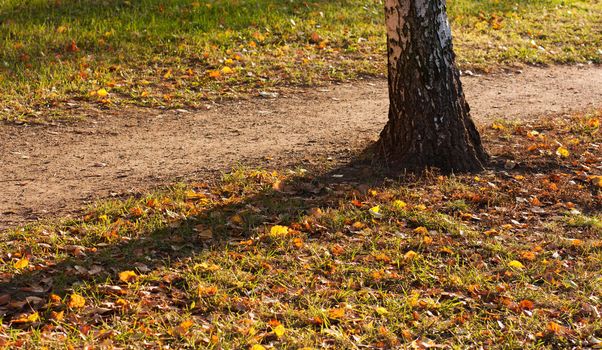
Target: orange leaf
x=76, y=301
x=207, y=291
x=526, y=305
x=336, y=313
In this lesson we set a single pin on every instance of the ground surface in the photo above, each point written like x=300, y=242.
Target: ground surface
x=50, y=171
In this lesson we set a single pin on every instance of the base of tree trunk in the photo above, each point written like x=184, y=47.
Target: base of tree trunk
x=429, y=120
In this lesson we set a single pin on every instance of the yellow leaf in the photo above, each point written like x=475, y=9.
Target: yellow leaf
x=227, y=70
x=102, y=93
x=516, y=264
x=427, y=240
x=279, y=330
x=420, y=207
x=381, y=310
x=278, y=230
x=27, y=319
x=375, y=212
x=257, y=347
x=22, y=263
x=127, y=276
x=562, y=152
x=497, y=126
x=76, y=301
x=229, y=61
x=167, y=75
x=398, y=204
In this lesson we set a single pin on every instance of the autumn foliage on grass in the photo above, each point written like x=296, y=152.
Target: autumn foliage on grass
x=508, y=258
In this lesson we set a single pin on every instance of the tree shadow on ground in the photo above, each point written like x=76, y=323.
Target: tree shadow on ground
x=179, y=239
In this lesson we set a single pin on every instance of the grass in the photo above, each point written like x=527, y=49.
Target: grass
x=181, y=53
x=269, y=259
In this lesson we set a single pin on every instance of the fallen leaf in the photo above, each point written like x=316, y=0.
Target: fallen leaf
x=127, y=276
x=381, y=310
x=399, y=204
x=516, y=264
x=279, y=330
x=76, y=301
x=278, y=230
x=410, y=255
x=336, y=313
x=421, y=230
x=21, y=263
x=207, y=291
x=562, y=152
x=102, y=93
x=34, y=317
x=526, y=305
x=375, y=212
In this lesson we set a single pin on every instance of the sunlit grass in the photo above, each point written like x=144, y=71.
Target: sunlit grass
x=181, y=53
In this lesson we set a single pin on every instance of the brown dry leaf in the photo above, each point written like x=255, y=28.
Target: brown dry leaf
x=204, y=233
x=337, y=250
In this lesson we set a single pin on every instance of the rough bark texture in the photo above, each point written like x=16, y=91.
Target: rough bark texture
x=429, y=121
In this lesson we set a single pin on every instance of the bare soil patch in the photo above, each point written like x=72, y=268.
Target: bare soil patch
x=52, y=171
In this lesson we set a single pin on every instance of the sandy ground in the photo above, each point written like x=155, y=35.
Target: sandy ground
x=51, y=171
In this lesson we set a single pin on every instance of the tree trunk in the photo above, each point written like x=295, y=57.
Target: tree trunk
x=429, y=121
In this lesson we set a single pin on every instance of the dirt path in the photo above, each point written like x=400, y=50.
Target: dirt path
x=50, y=171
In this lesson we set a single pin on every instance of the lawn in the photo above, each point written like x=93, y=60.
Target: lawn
x=330, y=258
x=181, y=53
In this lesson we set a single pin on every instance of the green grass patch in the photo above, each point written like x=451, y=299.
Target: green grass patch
x=181, y=53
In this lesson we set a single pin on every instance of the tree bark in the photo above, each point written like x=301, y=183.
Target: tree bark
x=429, y=122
